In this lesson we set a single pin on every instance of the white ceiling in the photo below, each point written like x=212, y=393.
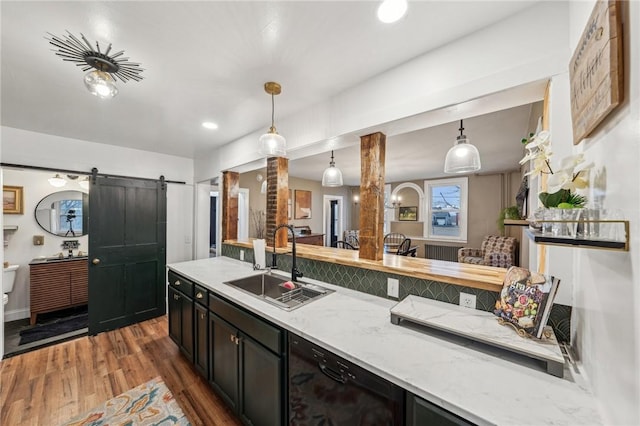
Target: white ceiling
x=208, y=60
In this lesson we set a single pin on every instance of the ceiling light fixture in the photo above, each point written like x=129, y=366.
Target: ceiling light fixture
x=462, y=157
x=332, y=175
x=263, y=187
x=84, y=183
x=271, y=144
x=57, y=181
x=209, y=125
x=392, y=10
x=101, y=81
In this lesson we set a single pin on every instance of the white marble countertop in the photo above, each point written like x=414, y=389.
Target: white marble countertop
x=480, y=383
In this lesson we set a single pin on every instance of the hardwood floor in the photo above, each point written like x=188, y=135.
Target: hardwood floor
x=53, y=384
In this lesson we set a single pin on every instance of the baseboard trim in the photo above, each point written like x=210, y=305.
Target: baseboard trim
x=16, y=314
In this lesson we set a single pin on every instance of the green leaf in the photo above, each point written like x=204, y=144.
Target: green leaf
x=552, y=200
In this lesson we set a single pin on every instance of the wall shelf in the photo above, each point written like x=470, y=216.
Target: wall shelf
x=516, y=222
x=10, y=227
x=604, y=244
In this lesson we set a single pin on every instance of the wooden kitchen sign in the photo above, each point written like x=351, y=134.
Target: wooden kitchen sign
x=596, y=71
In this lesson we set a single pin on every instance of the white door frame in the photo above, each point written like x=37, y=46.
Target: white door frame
x=243, y=214
x=202, y=210
x=325, y=217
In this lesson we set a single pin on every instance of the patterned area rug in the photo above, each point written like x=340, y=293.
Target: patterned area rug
x=148, y=404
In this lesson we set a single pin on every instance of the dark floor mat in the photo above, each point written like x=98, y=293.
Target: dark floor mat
x=55, y=327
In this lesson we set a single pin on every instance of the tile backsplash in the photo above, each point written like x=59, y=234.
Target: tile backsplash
x=375, y=282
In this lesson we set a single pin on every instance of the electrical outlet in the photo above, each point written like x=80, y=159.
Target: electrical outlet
x=241, y=254
x=393, y=287
x=468, y=300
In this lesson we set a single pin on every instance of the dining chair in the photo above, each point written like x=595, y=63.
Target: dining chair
x=404, y=249
x=394, y=239
x=343, y=245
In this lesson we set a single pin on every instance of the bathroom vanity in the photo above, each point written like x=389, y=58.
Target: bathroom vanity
x=58, y=284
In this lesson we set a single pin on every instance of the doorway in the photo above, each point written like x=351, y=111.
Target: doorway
x=332, y=219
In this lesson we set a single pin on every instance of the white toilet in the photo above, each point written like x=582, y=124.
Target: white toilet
x=8, y=278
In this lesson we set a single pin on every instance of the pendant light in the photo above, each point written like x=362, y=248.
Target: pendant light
x=57, y=181
x=271, y=144
x=332, y=175
x=462, y=157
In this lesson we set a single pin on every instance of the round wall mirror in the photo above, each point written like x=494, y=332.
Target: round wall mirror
x=63, y=213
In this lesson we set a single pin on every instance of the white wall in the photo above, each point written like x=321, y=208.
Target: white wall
x=607, y=291
x=603, y=286
x=36, y=149
x=508, y=54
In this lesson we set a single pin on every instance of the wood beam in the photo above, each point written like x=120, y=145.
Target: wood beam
x=277, y=198
x=542, y=249
x=230, y=188
x=372, y=154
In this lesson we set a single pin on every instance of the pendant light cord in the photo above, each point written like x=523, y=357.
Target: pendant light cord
x=273, y=107
x=461, y=128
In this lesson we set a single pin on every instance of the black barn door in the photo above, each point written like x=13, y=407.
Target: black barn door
x=127, y=252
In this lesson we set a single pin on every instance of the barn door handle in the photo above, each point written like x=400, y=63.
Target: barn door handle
x=95, y=261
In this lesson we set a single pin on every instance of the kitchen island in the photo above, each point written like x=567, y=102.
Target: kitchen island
x=478, y=383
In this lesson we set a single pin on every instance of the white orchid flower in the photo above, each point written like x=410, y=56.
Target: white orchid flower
x=541, y=138
x=559, y=180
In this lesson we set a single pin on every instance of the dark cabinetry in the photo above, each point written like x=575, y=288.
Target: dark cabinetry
x=421, y=412
x=242, y=355
x=181, y=328
x=201, y=332
x=247, y=363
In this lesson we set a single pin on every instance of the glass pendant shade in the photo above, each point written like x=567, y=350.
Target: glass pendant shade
x=57, y=181
x=100, y=84
x=462, y=157
x=271, y=144
x=84, y=183
x=332, y=175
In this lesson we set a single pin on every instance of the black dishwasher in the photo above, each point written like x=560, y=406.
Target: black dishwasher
x=325, y=389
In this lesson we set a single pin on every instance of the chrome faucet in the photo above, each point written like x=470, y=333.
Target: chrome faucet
x=295, y=273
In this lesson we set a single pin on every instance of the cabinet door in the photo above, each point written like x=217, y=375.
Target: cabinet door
x=187, y=327
x=421, y=412
x=175, y=316
x=223, y=352
x=201, y=359
x=261, y=377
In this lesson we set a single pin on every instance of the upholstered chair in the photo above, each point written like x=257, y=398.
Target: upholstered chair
x=495, y=250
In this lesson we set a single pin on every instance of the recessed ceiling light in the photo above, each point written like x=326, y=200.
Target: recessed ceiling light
x=209, y=125
x=392, y=10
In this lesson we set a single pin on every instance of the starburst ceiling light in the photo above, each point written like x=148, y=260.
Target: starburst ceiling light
x=107, y=68
x=271, y=144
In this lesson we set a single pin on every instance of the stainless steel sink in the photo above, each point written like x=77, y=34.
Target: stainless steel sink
x=270, y=288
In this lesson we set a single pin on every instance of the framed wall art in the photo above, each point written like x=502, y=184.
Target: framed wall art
x=302, y=204
x=408, y=213
x=12, y=201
